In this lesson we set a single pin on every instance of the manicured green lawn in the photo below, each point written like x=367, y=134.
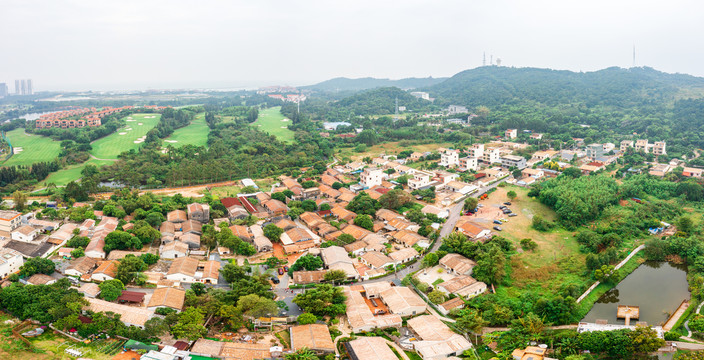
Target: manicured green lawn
x=123, y=139
x=271, y=121
x=71, y=173
x=196, y=133
x=35, y=148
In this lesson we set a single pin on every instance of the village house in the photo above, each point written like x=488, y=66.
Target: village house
x=183, y=270
x=129, y=315
x=509, y=161
x=409, y=238
x=176, y=216
x=511, y=133
x=10, y=262
x=421, y=179
x=308, y=277
x=262, y=244
x=81, y=266
x=25, y=233
x=469, y=163
x=403, y=301
x=371, y=177
x=369, y=347
x=462, y=285
x=473, y=230
x=355, y=231
x=107, y=270
x=199, y=212
x=436, y=340
x=192, y=227
x=242, y=232
x=361, y=318
x=315, y=337
x=191, y=239
x=9, y=220
x=275, y=207
x=692, y=172
x=40, y=279
x=404, y=255
x=449, y=158
x=173, y=250
x=375, y=259
x=457, y=264
x=336, y=258
x=491, y=156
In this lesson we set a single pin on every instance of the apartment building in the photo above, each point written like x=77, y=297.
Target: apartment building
x=449, y=158
x=9, y=221
x=625, y=144
x=511, y=133
x=371, y=176
x=420, y=180
x=476, y=151
x=492, y=156
x=513, y=161
x=469, y=163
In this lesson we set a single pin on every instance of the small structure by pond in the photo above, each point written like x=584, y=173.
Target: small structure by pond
x=628, y=312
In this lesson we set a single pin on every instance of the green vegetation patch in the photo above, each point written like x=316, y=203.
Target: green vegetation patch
x=125, y=138
x=194, y=134
x=35, y=148
x=272, y=121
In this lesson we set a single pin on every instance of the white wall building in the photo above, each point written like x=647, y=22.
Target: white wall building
x=10, y=262
x=492, y=156
x=449, y=158
x=371, y=177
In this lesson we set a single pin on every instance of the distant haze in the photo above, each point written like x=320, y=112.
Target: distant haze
x=114, y=45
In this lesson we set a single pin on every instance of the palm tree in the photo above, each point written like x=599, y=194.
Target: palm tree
x=302, y=354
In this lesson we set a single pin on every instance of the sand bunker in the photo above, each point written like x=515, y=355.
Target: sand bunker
x=131, y=120
x=122, y=133
x=140, y=140
x=139, y=124
x=128, y=129
x=171, y=141
x=149, y=117
x=17, y=150
x=284, y=127
x=285, y=119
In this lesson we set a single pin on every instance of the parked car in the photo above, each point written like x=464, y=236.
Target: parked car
x=480, y=205
x=507, y=203
x=497, y=228
x=281, y=271
x=275, y=280
x=503, y=207
x=507, y=211
x=512, y=214
x=286, y=268
x=497, y=222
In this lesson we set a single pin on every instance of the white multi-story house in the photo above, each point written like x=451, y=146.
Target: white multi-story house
x=511, y=133
x=9, y=220
x=513, y=161
x=625, y=144
x=476, y=151
x=450, y=158
x=420, y=180
x=491, y=156
x=10, y=262
x=659, y=148
x=371, y=177
x=642, y=145
x=469, y=163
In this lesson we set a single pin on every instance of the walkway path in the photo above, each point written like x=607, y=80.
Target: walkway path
x=93, y=157
x=487, y=330
x=633, y=253
x=686, y=323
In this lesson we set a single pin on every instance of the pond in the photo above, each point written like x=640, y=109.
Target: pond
x=657, y=287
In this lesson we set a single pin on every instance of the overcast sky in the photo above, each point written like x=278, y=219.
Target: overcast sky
x=102, y=45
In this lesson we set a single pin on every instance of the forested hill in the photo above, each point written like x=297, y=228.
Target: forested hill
x=381, y=101
x=345, y=84
x=492, y=86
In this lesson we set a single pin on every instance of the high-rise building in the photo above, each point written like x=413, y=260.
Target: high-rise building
x=3, y=90
x=23, y=87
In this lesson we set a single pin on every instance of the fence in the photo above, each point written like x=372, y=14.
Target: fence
x=7, y=140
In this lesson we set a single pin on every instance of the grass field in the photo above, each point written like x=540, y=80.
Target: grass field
x=271, y=121
x=196, y=133
x=115, y=144
x=35, y=148
x=71, y=173
x=388, y=148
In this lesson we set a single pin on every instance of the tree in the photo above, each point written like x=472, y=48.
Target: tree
x=307, y=318
x=307, y=262
x=20, y=200
x=685, y=224
x=37, y=266
x=273, y=232
x=363, y=204
x=436, y=297
x=470, y=203
x=189, y=325
x=528, y=244
x=231, y=273
x=198, y=288
x=110, y=290
x=430, y=260
x=324, y=300
x=120, y=240
x=337, y=185
x=364, y=221
x=335, y=276
x=511, y=195
x=395, y=199
x=470, y=320
x=302, y=354
x=78, y=241
x=76, y=253
x=129, y=268
x=257, y=306
x=490, y=266
x=346, y=239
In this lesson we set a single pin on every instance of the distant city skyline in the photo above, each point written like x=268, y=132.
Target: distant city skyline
x=134, y=45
